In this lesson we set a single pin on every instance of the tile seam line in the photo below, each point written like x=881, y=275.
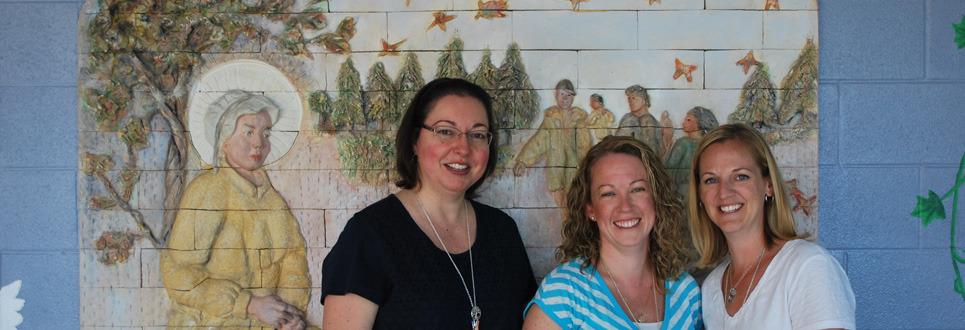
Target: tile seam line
x=892, y=81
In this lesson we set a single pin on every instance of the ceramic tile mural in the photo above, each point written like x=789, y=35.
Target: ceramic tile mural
x=341, y=72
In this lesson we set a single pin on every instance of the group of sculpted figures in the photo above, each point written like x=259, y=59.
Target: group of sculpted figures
x=568, y=132
x=431, y=257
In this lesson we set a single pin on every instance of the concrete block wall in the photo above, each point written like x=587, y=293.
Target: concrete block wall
x=38, y=159
x=892, y=104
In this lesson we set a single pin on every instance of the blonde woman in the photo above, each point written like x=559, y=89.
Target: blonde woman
x=766, y=275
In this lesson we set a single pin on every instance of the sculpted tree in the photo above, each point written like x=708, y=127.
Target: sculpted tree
x=757, y=101
x=409, y=81
x=799, y=89
x=134, y=81
x=381, y=99
x=450, y=63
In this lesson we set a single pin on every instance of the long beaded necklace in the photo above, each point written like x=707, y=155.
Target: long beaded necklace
x=732, y=291
x=475, y=313
x=625, y=302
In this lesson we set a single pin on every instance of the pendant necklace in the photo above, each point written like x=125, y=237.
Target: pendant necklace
x=643, y=318
x=475, y=313
x=733, y=287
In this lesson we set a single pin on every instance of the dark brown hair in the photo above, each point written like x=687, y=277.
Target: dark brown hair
x=406, y=164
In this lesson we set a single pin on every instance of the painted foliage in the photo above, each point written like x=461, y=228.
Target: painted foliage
x=696, y=63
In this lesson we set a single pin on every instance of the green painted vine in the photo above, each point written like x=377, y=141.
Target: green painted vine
x=931, y=208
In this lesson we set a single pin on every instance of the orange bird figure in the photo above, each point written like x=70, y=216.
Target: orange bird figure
x=803, y=203
x=684, y=70
x=652, y=1
x=491, y=9
x=440, y=20
x=748, y=61
x=771, y=3
x=392, y=49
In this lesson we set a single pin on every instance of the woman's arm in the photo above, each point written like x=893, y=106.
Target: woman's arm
x=350, y=311
x=536, y=319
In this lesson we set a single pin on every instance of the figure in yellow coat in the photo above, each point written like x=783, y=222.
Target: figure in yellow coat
x=562, y=140
x=601, y=119
x=236, y=257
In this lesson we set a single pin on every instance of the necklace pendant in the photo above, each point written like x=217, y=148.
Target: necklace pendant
x=476, y=314
x=731, y=294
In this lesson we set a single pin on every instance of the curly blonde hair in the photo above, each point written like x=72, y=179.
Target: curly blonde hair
x=708, y=239
x=670, y=249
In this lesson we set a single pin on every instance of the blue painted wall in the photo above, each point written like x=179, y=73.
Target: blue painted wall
x=892, y=126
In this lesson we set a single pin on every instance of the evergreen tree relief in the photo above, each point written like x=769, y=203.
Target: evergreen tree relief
x=409, y=81
x=320, y=104
x=450, y=64
x=931, y=208
x=487, y=76
x=347, y=111
x=757, y=101
x=380, y=99
x=517, y=102
x=796, y=117
x=365, y=145
x=139, y=60
x=799, y=89
x=517, y=97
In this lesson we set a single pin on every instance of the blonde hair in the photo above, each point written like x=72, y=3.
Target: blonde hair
x=709, y=241
x=669, y=248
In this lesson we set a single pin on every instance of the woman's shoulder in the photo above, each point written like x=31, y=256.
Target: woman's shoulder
x=383, y=208
x=801, y=254
x=570, y=271
x=377, y=215
x=491, y=214
x=800, y=249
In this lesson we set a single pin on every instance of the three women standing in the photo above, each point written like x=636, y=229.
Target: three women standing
x=428, y=257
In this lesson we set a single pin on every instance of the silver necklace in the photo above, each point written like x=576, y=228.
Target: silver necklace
x=733, y=287
x=476, y=312
x=630, y=309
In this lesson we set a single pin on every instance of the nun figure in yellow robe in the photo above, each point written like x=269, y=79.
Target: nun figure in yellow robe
x=236, y=258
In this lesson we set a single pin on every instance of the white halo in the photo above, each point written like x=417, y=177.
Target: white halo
x=251, y=76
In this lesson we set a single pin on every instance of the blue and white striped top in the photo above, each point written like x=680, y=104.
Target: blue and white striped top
x=577, y=300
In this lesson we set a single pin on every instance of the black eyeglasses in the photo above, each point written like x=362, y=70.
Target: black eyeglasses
x=446, y=134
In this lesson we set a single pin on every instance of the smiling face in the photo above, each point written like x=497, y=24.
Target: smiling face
x=732, y=188
x=455, y=165
x=621, y=201
x=248, y=146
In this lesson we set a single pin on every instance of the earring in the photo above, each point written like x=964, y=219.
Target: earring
x=768, y=198
x=592, y=218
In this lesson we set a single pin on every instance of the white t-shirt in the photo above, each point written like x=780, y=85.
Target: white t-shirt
x=648, y=326
x=803, y=288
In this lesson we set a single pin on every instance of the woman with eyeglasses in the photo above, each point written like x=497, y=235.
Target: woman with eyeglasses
x=428, y=256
